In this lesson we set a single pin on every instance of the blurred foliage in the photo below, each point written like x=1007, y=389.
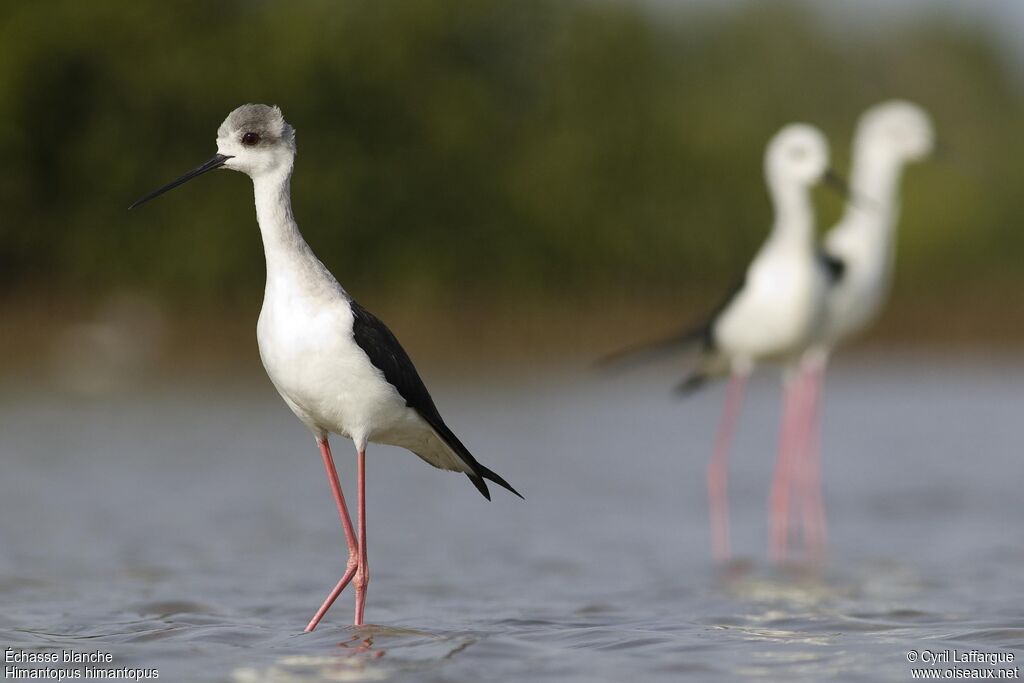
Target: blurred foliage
x=537, y=148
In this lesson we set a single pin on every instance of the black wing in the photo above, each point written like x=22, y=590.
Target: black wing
x=702, y=333
x=712, y=317
x=653, y=350
x=834, y=266
x=388, y=356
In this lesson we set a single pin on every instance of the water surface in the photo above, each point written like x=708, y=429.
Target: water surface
x=188, y=526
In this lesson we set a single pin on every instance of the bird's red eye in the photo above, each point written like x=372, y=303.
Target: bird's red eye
x=250, y=139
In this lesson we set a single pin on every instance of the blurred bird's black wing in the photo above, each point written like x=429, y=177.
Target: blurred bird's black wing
x=730, y=296
x=387, y=355
x=701, y=334
x=834, y=266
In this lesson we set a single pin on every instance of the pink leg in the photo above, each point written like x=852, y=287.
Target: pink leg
x=816, y=526
x=346, y=523
x=801, y=447
x=806, y=474
x=363, y=573
x=718, y=469
x=779, y=499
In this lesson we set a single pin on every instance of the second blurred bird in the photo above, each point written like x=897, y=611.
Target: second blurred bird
x=770, y=316
x=798, y=301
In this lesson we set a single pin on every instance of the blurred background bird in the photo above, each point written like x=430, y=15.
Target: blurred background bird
x=772, y=315
x=889, y=136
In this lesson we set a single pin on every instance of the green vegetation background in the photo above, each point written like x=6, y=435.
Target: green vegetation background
x=537, y=150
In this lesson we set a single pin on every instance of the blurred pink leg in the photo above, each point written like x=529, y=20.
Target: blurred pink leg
x=806, y=472
x=718, y=469
x=346, y=523
x=816, y=528
x=786, y=472
x=798, y=472
x=363, y=572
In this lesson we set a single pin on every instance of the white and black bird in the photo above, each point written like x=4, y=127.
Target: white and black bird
x=338, y=367
x=889, y=136
x=770, y=315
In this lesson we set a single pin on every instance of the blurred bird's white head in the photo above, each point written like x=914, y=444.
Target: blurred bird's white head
x=896, y=128
x=798, y=154
x=257, y=140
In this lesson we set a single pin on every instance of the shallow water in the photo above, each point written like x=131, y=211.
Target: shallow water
x=189, y=528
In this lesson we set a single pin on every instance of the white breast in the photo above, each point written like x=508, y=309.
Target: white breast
x=776, y=312
x=312, y=358
x=854, y=302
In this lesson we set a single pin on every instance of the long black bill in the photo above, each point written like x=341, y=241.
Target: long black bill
x=216, y=161
x=947, y=156
x=838, y=183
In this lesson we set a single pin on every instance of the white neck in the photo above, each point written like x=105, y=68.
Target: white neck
x=794, y=215
x=874, y=187
x=283, y=245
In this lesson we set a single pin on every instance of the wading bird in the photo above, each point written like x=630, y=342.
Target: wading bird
x=770, y=316
x=889, y=136
x=338, y=367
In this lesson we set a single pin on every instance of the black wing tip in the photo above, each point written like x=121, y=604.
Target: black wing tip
x=484, y=473
x=690, y=385
x=835, y=267
x=616, y=361
x=610, y=361
x=477, y=472
x=647, y=351
x=480, y=485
